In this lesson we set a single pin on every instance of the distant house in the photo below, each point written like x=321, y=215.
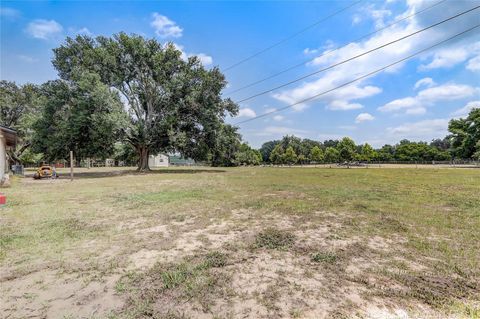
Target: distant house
x=159, y=160
x=8, y=139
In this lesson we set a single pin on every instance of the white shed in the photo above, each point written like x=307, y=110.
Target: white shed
x=159, y=160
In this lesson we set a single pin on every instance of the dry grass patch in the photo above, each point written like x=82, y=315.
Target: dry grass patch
x=161, y=291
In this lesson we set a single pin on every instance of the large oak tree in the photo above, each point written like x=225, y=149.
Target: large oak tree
x=173, y=105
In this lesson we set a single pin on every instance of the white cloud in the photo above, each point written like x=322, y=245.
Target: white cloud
x=379, y=17
x=308, y=51
x=399, y=104
x=449, y=57
x=447, y=92
x=340, y=105
x=246, y=112
x=84, y=31
x=428, y=97
x=373, y=12
x=204, y=58
x=466, y=109
x=44, y=29
x=446, y=59
x=9, y=13
x=422, y=130
x=428, y=82
x=337, y=100
x=164, y=27
x=329, y=44
x=474, y=64
x=362, y=117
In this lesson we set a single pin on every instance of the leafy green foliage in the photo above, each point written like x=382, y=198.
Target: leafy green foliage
x=412, y=151
x=465, y=135
x=227, y=144
x=367, y=153
x=476, y=155
x=276, y=156
x=19, y=109
x=301, y=147
x=267, y=149
x=83, y=116
x=125, y=153
x=247, y=156
x=289, y=157
x=386, y=153
x=331, y=155
x=174, y=105
x=316, y=154
x=302, y=159
x=346, y=149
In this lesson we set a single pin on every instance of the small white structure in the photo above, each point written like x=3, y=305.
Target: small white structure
x=8, y=138
x=160, y=160
x=109, y=162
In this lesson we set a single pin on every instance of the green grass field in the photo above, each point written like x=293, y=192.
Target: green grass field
x=258, y=242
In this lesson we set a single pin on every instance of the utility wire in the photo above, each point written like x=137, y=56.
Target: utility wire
x=290, y=37
x=336, y=49
x=359, y=78
x=356, y=56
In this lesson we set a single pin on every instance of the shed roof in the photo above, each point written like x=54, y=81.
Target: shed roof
x=9, y=134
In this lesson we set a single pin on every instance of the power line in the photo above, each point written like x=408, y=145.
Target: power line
x=290, y=37
x=336, y=49
x=359, y=78
x=355, y=57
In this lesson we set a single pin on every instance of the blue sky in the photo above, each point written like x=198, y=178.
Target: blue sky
x=413, y=100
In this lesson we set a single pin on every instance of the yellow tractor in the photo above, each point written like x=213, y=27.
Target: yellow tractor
x=45, y=171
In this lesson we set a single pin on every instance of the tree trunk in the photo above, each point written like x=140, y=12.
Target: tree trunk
x=143, y=159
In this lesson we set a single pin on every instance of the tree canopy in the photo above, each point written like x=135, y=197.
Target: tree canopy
x=82, y=116
x=19, y=110
x=465, y=135
x=346, y=149
x=173, y=105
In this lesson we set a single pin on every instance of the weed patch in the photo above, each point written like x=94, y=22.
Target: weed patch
x=324, y=257
x=161, y=289
x=273, y=238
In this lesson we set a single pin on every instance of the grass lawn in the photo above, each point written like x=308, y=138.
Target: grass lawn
x=257, y=242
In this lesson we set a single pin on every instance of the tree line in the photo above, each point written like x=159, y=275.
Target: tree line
x=127, y=97
x=463, y=142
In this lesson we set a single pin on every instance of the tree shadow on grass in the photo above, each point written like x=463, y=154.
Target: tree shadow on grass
x=102, y=174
